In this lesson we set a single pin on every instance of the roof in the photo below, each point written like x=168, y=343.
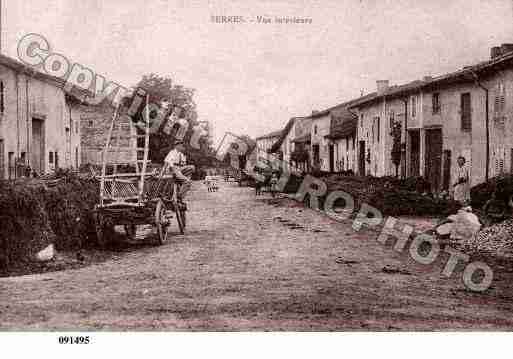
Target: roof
x=466, y=74
x=276, y=146
x=343, y=124
x=303, y=139
x=344, y=129
x=270, y=135
x=341, y=106
x=32, y=71
x=392, y=92
x=74, y=94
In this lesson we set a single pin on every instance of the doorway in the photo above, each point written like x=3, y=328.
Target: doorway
x=38, y=145
x=361, y=159
x=414, y=170
x=316, y=155
x=433, y=167
x=332, y=158
x=2, y=159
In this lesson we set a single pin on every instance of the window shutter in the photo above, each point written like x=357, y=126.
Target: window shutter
x=466, y=117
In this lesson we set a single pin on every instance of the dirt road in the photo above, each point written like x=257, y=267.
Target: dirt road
x=248, y=264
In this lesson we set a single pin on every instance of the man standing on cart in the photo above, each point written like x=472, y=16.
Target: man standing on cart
x=175, y=162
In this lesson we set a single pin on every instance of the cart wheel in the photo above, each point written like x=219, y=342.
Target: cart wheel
x=130, y=230
x=161, y=221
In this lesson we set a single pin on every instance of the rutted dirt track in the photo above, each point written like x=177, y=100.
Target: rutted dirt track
x=248, y=264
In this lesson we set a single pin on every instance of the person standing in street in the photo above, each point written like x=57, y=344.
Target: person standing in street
x=462, y=184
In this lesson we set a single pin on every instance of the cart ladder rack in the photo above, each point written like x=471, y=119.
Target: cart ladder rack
x=117, y=187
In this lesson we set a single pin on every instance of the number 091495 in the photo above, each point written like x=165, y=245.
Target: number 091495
x=74, y=340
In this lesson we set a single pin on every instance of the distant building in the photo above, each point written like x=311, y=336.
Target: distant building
x=287, y=143
x=265, y=142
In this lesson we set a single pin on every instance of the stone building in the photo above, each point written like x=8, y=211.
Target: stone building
x=36, y=126
x=284, y=147
x=441, y=119
x=95, y=121
x=265, y=142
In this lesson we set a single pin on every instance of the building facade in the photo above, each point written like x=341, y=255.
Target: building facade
x=95, y=122
x=265, y=142
x=466, y=113
x=37, y=130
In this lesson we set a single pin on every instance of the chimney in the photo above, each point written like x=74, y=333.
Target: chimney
x=427, y=78
x=505, y=48
x=314, y=112
x=495, y=52
x=382, y=86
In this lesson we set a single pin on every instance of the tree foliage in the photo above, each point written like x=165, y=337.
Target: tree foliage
x=178, y=99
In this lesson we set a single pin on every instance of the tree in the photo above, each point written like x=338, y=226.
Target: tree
x=171, y=97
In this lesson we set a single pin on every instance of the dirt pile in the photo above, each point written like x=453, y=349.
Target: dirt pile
x=392, y=196
x=35, y=213
x=500, y=187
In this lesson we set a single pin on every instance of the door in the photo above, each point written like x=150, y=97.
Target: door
x=414, y=153
x=2, y=159
x=316, y=159
x=38, y=146
x=433, y=167
x=361, y=159
x=332, y=158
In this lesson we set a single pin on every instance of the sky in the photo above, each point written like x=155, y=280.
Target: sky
x=250, y=78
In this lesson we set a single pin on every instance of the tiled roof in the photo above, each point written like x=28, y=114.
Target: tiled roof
x=303, y=139
x=465, y=74
x=343, y=125
x=270, y=135
x=276, y=146
x=391, y=92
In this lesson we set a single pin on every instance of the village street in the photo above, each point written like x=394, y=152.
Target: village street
x=250, y=263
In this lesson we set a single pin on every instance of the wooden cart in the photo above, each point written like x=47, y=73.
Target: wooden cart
x=139, y=198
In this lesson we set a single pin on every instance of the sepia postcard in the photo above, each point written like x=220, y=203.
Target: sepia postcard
x=256, y=166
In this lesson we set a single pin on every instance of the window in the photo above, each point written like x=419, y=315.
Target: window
x=361, y=120
x=413, y=106
x=50, y=157
x=466, y=112
x=90, y=123
x=436, y=103
x=500, y=100
x=391, y=118
x=315, y=129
